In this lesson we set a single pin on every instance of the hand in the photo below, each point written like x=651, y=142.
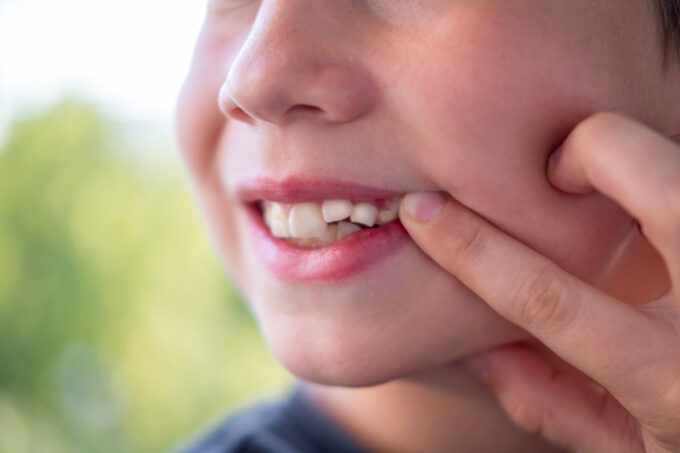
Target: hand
x=626, y=397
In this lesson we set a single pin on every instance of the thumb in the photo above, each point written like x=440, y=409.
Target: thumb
x=566, y=408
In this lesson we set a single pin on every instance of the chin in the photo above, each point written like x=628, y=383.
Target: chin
x=372, y=330
x=352, y=358
x=343, y=372
x=337, y=360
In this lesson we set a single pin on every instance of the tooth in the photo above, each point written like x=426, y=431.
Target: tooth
x=305, y=221
x=334, y=210
x=345, y=229
x=386, y=216
x=277, y=219
x=329, y=237
x=394, y=204
x=365, y=214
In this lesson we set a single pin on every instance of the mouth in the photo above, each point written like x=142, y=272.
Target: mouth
x=301, y=238
x=312, y=225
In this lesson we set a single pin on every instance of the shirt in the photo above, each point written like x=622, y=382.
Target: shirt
x=292, y=424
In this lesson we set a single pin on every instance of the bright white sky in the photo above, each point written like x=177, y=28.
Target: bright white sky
x=128, y=54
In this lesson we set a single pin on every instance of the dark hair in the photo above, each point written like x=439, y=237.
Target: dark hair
x=670, y=23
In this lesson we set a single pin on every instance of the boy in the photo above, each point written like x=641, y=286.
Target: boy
x=308, y=126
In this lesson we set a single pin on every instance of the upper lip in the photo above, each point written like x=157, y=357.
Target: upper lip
x=295, y=189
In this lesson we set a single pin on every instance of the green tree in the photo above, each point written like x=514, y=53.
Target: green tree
x=118, y=330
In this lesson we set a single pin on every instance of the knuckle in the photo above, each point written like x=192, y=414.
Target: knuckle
x=662, y=408
x=472, y=243
x=542, y=301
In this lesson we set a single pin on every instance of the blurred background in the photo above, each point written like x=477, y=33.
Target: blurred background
x=118, y=330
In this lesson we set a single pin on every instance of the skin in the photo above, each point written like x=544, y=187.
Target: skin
x=624, y=393
x=468, y=98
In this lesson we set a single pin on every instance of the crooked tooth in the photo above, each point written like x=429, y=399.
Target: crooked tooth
x=306, y=221
x=365, y=214
x=345, y=229
x=329, y=237
x=385, y=216
x=276, y=218
x=334, y=210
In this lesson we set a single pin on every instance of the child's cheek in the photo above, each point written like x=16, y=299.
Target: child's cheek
x=202, y=130
x=199, y=121
x=490, y=97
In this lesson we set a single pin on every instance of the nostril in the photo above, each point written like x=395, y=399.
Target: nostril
x=308, y=107
x=238, y=114
x=304, y=109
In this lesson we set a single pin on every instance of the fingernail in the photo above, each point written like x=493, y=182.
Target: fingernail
x=478, y=366
x=423, y=206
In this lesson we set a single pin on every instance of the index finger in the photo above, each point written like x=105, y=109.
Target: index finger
x=612, y=342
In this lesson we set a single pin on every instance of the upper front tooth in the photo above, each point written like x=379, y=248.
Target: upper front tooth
x=306, y=221
x=334, y=210
x=364, y=213
x=277, y=220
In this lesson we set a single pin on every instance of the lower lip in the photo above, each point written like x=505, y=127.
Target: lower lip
x=349, y=256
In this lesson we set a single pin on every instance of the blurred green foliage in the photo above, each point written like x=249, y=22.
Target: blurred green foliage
x=118, y=330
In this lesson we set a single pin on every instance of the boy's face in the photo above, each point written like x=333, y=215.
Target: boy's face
x=465, y=96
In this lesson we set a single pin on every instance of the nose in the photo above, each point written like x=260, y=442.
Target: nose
x=298, y=60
